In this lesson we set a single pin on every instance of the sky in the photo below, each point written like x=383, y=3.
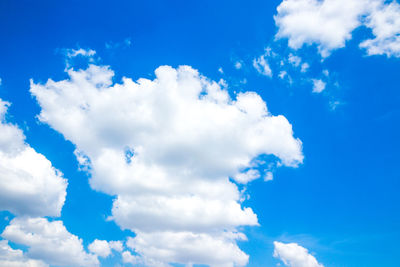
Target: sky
x=200, y=133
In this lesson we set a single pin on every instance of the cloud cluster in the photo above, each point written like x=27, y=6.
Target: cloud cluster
x=29, y=184
x=330, y=23
x=104, y=248
x=49, y=242
x=262, y=66
x=31, y=188
x=15, y=258
x=167, y=149
x=293, y=255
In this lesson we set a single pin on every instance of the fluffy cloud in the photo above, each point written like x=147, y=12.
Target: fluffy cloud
x=29, y=185
x=80, y=52
x=385, y=25
x=262, y=66
x=293, y=255
x=214, y=249
x=318, y=85
x=15, y=258
x=49, y=242
x=329, y=24
x=167, y=148
x=103, y=248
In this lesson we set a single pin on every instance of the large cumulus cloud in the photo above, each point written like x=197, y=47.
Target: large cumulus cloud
x=168, y=149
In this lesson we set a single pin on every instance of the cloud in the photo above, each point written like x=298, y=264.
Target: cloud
x=304, y=67
x=103, y=248
x=385, y=25
x=318, y=85
x=214, y=249
x=330, y=23
x=127, y=257
x=238, y=65
x=10, y=257
x=294, y=60
x=293, y=255
x=71, y=53
x=49, y=242
x=245, y=177
x=29, y=184
x=167, y=149
x=262, y=66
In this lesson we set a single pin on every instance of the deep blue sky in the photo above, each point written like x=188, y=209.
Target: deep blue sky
x=342, y=203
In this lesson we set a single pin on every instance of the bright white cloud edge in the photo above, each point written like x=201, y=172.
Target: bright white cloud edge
x=294, y=255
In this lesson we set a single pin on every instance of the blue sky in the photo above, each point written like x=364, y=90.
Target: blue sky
x=333, y=199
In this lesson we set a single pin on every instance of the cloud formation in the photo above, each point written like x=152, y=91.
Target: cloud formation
x=15, y=258
x=29, y=184
x=104, y=248
x=262, y=66
x=49, y=242
x=318, y=85
x=167, y=149
x=330, y=23
x=293, y=255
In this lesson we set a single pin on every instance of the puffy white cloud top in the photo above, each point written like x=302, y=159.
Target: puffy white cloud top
x=49, y=242
x=329, y=24
x=293, y=255
x=166, y=149
x=29, y=185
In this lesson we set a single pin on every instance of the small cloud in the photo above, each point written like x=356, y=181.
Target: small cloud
x=304, y=67
x=294, y=60
x=268, y=177
x=238, y=65
x=70, y=53
x=318, y=85
x=220, y=70
x=282, y=74
x=262, y=66
x=334, y=104
x=325, y=72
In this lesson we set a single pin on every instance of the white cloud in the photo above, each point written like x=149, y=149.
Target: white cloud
x=127, y=257
x=294, y=60
x=103, y=248
x=80, y=52
x=304, y=67
x=29, y=185
x=215, y=249
x=318, y=85
x=238, y=65
x=385, y=25
x=293, y=255
x=10, y=257
x=329, y=24
x=262, y=66
x=268, y=177
x=282, y=74
x=49, y=242
x=166, y=149
x=245, y=177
